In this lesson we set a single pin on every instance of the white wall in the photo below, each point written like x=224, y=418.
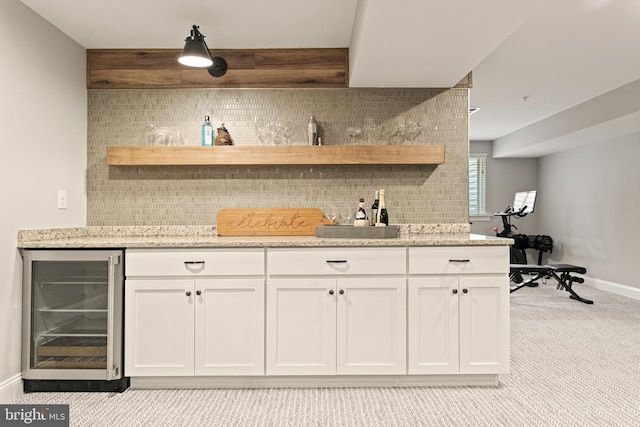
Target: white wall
x=504, y=178
x=590, y=205
x=42, y=150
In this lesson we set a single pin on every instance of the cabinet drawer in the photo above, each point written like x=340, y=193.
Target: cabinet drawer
x=459, y=260
x=192, y=262
x=336, y=261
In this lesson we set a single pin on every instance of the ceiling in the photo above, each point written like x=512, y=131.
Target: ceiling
x=543, y=71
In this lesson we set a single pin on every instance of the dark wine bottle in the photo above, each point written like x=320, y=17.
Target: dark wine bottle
x=374, y=208
x=383, y=215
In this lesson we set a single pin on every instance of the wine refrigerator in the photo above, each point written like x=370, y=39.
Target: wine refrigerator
x=72, y=320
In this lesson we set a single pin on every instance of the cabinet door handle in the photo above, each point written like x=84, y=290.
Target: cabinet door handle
x=337, y=261
x=341, y=291
x=455, y=291
x=194, y=262
x=459, y=260
x=188, y=293
x=198, y=293
x=331, y=292
x=464, y=291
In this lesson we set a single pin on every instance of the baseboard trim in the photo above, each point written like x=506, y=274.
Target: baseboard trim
x=313, y=381
x=11, y=389
x=614, y=288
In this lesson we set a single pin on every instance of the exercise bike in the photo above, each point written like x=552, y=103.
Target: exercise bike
x=524, y=203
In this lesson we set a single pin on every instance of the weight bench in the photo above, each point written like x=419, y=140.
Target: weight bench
x=560, y=272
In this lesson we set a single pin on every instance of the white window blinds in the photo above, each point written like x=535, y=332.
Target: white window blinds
x=477, y=183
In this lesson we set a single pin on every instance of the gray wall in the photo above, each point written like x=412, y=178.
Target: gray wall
x=43, y=150
x=587, y=202
x=590, y=205
x=504, y=178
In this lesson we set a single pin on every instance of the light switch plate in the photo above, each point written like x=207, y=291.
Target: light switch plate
x=62, y=199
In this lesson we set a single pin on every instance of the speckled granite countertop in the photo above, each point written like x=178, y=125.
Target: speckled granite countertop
x=206, y=237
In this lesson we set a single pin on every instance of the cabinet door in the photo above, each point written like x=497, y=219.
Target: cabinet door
x=484, y=324
x=229, y=327
x=371, y=326
x=433, y=325
x=159, y=327
x=301, y=326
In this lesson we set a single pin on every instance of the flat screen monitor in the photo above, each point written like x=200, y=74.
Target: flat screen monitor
x=522, y=199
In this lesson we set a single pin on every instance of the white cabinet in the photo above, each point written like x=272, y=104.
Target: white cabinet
x=371, y=326
x=179, y=325
x=458, y=314
x=229, y=327
x=301, y=327
x=304, y=314
x=336, y=321
x=159, y=324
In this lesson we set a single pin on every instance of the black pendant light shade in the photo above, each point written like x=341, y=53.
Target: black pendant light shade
x=195, y=52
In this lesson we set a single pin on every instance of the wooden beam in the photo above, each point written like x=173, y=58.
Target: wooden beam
x=251, y=68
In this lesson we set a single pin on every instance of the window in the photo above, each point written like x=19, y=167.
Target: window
x=477, y=183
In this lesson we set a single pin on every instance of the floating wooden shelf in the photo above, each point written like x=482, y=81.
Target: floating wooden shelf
x=276, y=155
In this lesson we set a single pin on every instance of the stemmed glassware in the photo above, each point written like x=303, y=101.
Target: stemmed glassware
x=274, y=132
x=354, y=132
x=346, y=218
x=369, y=129
x=331, y=215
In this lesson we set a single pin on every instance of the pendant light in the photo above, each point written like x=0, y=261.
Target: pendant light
x=196, y=54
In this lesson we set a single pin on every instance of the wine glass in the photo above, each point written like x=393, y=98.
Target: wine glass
x=369, y=128
x=148, y=136
x=331, y=215
x=413, y=130
x=178, y=139
x=345, y=218
x=354, y=132
x=259, y=129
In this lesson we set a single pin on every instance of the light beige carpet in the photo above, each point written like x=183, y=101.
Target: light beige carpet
x=572, y=365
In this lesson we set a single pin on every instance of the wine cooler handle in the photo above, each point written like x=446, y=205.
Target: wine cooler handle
x=111, y=290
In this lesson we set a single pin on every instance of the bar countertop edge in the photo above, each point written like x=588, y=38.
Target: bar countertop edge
x=206, y=237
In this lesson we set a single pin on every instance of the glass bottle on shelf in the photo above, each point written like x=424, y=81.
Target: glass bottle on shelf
x=207, y=133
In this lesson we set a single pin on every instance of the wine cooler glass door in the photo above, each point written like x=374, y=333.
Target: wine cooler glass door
x=71, y=320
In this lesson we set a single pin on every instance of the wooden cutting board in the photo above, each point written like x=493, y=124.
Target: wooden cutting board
x=270, y=222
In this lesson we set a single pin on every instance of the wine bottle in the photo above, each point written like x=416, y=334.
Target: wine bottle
x=207, y=132
x=361, y=215
x=383, y=216
x=374, y=209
